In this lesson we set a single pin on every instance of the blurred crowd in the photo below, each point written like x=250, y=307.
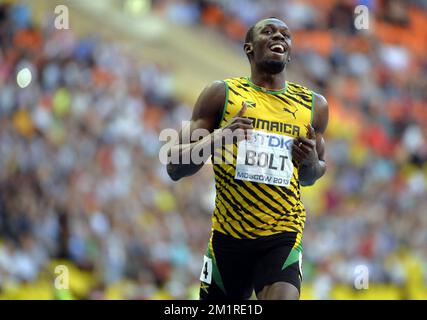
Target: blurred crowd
x=81, y=181
x=80, y=177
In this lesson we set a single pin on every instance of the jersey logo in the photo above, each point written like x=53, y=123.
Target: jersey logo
x=292, y=113
x=204, y=287
x=250, y=104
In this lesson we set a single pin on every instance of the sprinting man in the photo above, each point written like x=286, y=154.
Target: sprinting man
x=277, y=127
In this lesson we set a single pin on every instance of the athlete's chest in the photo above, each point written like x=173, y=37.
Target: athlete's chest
x=280, y=114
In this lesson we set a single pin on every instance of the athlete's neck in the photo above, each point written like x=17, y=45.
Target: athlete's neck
x=269, y=81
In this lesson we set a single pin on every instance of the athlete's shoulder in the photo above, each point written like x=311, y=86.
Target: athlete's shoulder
x=319, y=100
x=298, y=88
x=236, y=80
x=216, y=85
x=213, y=92
x=320, y=112
x=210, y=103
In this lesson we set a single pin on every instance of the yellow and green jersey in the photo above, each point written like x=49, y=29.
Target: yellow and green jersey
x=257, y=185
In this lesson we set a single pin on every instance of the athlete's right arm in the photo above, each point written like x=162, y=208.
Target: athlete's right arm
x=207, y=114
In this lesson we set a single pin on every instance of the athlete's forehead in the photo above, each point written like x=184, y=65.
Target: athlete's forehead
x=270, y=22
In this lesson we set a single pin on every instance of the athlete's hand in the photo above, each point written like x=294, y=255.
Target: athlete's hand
x=304, y=148
x=238, y=127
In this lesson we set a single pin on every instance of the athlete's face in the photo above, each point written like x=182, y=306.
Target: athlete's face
x=271, y=45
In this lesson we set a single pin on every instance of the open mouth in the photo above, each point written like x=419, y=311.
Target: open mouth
x=278, y=48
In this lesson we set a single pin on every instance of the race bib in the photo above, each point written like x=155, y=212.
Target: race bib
x=265, y=158
x=206, y=274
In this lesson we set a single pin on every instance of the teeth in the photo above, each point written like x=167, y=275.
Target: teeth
x=278, y=46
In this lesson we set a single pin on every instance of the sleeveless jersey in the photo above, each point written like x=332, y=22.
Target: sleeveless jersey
x=257, y=185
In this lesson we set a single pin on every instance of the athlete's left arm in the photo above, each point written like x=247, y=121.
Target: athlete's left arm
x=309, y=152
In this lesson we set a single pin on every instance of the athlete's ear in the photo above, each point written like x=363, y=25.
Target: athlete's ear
x=248, y=47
